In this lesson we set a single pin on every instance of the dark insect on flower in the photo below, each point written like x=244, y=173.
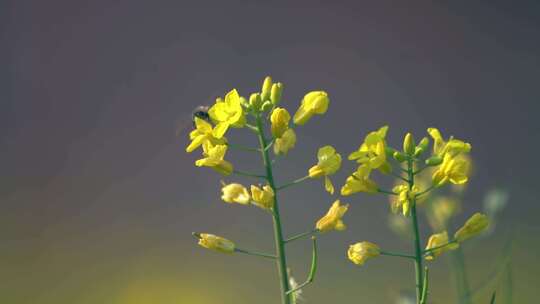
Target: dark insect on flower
x=200, y=112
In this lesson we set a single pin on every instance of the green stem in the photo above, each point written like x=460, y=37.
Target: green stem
x=425, y=191
x=248, y=174
x=439, y=247
x=386, y=192
x=417, y=244
x=423, y=300
x=244, y=148
x=278, y=234
x=259, y=254
x=296, y=181
x=398, y=255
x=312, y=270
x=460, y=276
x=399, y=176
x=301, y=235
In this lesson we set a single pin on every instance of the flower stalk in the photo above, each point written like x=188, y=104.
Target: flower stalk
x=417, y=243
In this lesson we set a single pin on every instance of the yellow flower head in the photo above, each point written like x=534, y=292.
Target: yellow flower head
x=373, y=150
x=286, y=142
x=329, y=163
x=263, y=198
x=437, y=240
x=359, y=253
x=359, y=182
x=332, y=219
x=280, y=122
x=202, y=135
x=453, y=169
x=473, y=226
x=235, y=193
x=452, y=146
x=404, y=198
x=315, y=102
x=215, y=242
x=214, y=159
x=227, y=113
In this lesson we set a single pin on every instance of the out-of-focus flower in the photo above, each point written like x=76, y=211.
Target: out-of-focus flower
x=441, y=210
x=400, y=225
x=359, y=253
x=437, y=241
x=280, y=122
x=372, y=152
x=263, y=198
x=214, y=242
x=227, y=113
x=315, y=102
x=332, y=219
x=214, y=159
x=453, y=169
x=359, y=182
x=202, y=135
x=473, y=226
x=286, y=142
x=329, y=163
x=235, y=193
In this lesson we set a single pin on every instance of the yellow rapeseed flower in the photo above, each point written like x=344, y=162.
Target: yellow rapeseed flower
x=235, y=193
x=441, y=210
x=202, y=135
x=438, y=240
x=329, y=163
x=404, y=198
x=359, y=253
x=263, y=198
x=214, y=242
x=332, y=219
x=473, y=226
x=214, y=159
x=453, y=169
x=452, y=146
x=372, y=151
x=286, y=142
x=227, y=113
x=315, y=102
x=280, y=122
x=359, y=182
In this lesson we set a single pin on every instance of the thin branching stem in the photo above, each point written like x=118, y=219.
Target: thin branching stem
x=259, y=254
x=301, y=235
x=237, y=172
x=313, y=269
x=295, y=182
x=401, y=255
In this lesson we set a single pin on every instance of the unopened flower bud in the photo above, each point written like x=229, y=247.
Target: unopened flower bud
x=266, y=106
x=255, y=101
x=408, y=144
x=266, y=88
x=434, y=160
x=400, y=157
x=276, y=92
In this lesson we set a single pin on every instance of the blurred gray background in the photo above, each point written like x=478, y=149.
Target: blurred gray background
x=99, y=198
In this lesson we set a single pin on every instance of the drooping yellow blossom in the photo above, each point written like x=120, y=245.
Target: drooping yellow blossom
x=332, y=219
x=372, y=151
x=280, y=122
x=286, y=142
x=235, y=193
x=473, y=226
x=438, y=240
x=202, y=135
x=404, y=199
x=359, y=253
x=227, y=113
x=441, y=210
x=215, y=242
x=263, y=198
x=329, y=163
x=452, y=146
x=453, y=169
x=359, y=182
x=214, y=159
x=315, y=102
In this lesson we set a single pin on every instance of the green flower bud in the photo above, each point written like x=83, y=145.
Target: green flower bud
x=255, y=101
x=266, y=106
x=389, y=151
x=422, y=146
x=266, y=88
x=434, y=160
x=244, y=102
x=400, y=157
x=408, y=144
x=275, y=93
